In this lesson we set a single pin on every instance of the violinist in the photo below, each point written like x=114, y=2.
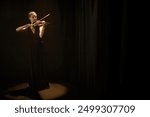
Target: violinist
x=34, y=22
x=35, y=32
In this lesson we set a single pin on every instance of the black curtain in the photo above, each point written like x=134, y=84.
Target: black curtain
x=96, y=47
x=81, y=36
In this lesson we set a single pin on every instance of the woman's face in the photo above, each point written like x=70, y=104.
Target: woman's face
x=33, y=18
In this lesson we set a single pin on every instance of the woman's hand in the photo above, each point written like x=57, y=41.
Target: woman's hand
x=39, y=23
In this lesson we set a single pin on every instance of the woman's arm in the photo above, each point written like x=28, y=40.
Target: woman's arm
x=22, y=28
x=42, y=29
x=41, y=32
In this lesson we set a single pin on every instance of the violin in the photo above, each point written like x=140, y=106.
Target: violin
x=41, y=22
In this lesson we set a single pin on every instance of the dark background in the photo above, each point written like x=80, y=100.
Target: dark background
x=93, y=47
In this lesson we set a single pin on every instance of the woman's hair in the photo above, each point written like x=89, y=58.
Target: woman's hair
x=31, y=13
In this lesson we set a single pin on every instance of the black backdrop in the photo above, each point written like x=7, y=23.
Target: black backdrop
x=88, y=46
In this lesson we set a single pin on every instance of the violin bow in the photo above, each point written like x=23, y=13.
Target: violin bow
x=45, y=17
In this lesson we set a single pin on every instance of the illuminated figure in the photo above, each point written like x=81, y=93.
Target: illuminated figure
x=35, y=33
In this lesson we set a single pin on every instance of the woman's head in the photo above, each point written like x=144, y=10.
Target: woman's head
x=32, y=16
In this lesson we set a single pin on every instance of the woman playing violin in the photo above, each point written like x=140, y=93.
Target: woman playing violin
x=35, y=32
x=34, y=22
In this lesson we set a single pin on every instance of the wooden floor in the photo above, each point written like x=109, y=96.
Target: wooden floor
x=18, y=92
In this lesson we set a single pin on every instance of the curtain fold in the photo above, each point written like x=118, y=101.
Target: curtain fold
x=86, y=36
x=98, y=45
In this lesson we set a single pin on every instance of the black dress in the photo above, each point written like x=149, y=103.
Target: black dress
x=38, y=80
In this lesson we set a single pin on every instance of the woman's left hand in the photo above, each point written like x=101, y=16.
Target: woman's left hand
x=39, y=23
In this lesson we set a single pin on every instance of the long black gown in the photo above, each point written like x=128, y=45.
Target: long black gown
x=38, y=80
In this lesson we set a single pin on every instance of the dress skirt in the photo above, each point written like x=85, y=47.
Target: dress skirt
x=38, y=80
